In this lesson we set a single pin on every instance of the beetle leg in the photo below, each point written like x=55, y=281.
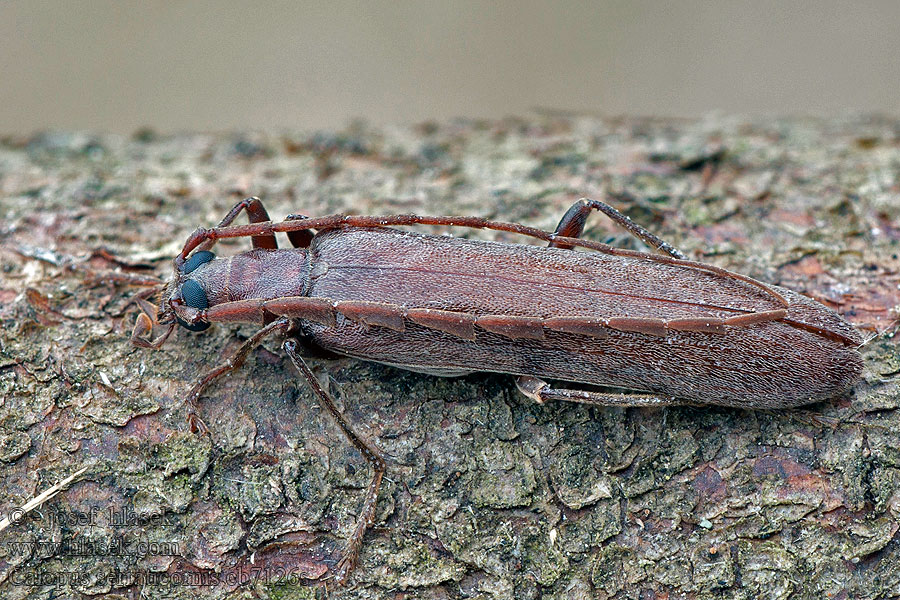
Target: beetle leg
x=301, y=238
x=369, y=452
x=572, y=225
x=142, y=332
x=256, y=213
x=541, y=392
x=233, y=362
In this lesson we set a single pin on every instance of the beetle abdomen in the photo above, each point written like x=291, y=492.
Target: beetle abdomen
x=587, y=317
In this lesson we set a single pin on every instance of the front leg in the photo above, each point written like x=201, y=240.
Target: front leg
x=233, y=362
x=256, y=213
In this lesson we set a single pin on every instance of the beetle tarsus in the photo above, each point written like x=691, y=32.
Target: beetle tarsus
x=369, y=452
x=196, y=424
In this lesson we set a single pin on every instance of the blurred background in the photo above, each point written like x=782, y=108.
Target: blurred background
x=174, y=65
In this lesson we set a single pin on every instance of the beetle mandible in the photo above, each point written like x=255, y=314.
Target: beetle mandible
x=673, y=330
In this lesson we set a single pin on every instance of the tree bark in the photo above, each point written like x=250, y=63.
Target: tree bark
x=487, y=494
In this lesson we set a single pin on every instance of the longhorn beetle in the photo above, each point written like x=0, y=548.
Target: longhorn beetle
x=673, y=330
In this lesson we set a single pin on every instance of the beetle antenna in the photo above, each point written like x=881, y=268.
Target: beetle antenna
x=888, y=331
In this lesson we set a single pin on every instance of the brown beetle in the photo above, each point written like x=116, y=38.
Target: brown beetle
x=676, y=331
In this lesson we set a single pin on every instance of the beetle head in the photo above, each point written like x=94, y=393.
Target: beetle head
x=185, y=297
x=181, y=303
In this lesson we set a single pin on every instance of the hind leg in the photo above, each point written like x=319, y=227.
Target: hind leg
x=541, y=392
x=572, y=225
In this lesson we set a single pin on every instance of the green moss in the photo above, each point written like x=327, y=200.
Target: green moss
x=611, y=568
x=505, y=477
x=183, y=452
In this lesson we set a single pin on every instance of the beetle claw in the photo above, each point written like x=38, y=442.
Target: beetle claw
x=142, y=334
x=196, y=424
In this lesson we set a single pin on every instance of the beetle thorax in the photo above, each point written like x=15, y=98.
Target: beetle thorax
x=264, y=274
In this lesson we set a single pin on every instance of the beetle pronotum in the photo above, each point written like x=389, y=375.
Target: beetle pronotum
x=673, y=330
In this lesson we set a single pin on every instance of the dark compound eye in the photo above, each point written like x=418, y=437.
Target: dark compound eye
x=193, y=294
x=195, y=297
x=198, y=326
x=197, y=259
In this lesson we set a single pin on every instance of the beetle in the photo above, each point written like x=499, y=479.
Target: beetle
x=671, y=330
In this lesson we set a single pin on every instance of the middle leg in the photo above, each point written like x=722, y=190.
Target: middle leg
x=369, y=452
x=303, y=237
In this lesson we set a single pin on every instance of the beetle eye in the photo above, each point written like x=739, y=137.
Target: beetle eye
x=197, y=259
x=198, y=326
x=193, y=294
x=195, y=297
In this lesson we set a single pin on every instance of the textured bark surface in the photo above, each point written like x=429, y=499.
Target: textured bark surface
x=487, y=494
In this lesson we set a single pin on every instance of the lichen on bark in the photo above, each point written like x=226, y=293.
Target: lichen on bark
x=487, y=495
